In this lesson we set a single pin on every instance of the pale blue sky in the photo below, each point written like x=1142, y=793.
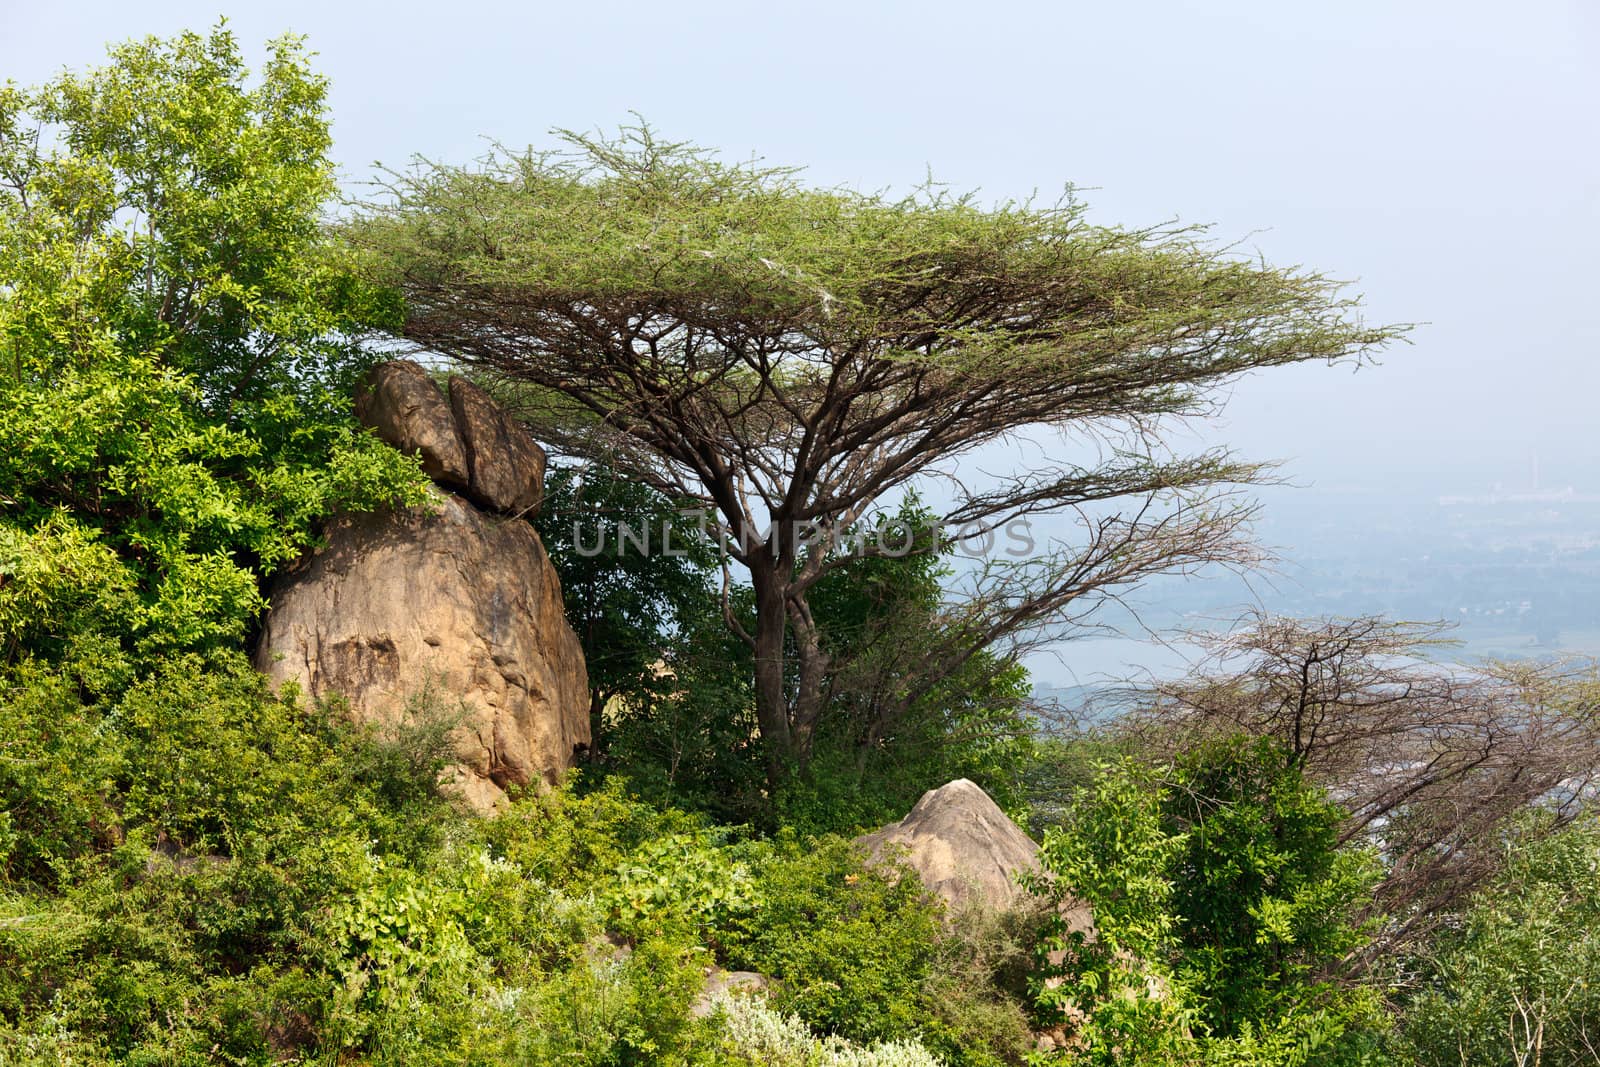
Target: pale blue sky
x=1443, y=153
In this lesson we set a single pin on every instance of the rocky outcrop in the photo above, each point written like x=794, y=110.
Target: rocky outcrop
x=966, y=851
x=466, y=441
x=969, y=853
x=401, y=404
x=448, y=602
x=504, y=466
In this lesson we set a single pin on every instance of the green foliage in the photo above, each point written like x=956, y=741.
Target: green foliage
x=1517, y=979
x=405, y=959
x=1263, y=892
x=633, y=571
x=631, y=1012
x=671, y=225
x=1223, y=907
x=682, y=880
x=1061, y=765
x=205, y=871
x=668, y=700
x=855, y=952
x=170, y=850
x=672, y=699
x=55, y=778
x=162, y=206
x=868, y=942
x=895, y=728
x=173, y=348
x=863, y=954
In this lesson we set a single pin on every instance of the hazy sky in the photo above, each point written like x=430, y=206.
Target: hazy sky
x=1443, y=154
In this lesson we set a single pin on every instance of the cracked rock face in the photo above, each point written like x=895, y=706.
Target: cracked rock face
x=466, y=442
x=447, y=600
x=399, y=402
x=504, y=464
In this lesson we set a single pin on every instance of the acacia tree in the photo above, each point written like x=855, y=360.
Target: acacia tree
x=788, y=355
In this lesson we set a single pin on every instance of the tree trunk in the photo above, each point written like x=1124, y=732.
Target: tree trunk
x=812, y=667
x=772, y=705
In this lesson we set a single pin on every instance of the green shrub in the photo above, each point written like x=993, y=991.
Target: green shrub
x=174, y=401
x=1517, y=978
x=682, y=880
x=170, y=850
x=1224, y=906
x=619, y=1012
x=850, y=946
x=61, y=761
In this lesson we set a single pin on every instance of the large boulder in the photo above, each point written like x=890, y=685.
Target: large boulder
x=446, y=600
x=505, y=466
x=962, y=846
x=403, y=405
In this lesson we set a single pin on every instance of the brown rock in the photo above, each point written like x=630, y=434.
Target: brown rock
x=504, y=464
x=403, y=406
x=969, y=853
x=961, y=845
x=446, y=599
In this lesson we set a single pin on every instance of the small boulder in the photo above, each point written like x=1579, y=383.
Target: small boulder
x=401, y=403
x=505, y=466
x=961, y=845
x=720, y=983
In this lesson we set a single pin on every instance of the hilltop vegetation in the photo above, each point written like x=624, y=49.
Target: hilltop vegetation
x=1306, y=854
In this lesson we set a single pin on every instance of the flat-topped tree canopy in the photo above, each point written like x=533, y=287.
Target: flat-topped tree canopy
x=789, y=354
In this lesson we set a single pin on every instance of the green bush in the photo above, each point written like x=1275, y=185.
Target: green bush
x=863, y=954
x=238, y=877
x=174, y=396
x=505, y=946
x=619, y=1013
x=1517, y=978
x=850, y=946
x=170, y=851
x=1223, y=905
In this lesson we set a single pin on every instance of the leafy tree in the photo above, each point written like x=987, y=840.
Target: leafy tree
x=788, y=356
x=671, y=701
x=892, y=729
x=174, y=342
x=634, y=575
x=1224, y=908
